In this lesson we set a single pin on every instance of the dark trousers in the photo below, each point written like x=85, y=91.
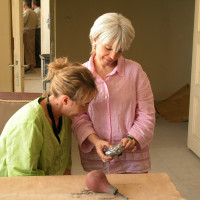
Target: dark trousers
x=37, y=47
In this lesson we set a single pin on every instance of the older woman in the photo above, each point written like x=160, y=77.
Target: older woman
x=37, y=138
x=123, y=111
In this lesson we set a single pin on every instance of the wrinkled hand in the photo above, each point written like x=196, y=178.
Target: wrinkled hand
x=100, y=144
x=128, y=144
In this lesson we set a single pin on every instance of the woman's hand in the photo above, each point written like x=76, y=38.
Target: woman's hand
x=100, y=144
x=67, y=172
x=129, y=144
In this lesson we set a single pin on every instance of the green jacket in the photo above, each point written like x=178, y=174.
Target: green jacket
x=28, y=146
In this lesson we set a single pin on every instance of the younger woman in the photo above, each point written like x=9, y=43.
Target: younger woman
x=36, y=139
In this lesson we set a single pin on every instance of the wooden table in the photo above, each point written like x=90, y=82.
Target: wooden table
x=152, y=186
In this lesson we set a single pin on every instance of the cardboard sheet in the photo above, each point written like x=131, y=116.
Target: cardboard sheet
x=152, y=186
x=176, y=107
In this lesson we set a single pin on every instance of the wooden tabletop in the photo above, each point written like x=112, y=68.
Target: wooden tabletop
x=151, y=186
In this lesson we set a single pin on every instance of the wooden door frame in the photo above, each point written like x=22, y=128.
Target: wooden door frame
x=18, y=28
x=52, y=7
x=193, y=129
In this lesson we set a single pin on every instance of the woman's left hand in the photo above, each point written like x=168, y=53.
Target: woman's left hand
x=67, y=172
x=129, y=144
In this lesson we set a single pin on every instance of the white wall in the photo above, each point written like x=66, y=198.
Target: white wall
x=45, y=31
x=6, y=81
x=163, y=43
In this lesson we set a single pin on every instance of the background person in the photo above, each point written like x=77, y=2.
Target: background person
x=36, y=140
x=124, y=108
x=36, y=7
x=30, y=22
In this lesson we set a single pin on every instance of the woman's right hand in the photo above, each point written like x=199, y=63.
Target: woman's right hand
x=100, y=145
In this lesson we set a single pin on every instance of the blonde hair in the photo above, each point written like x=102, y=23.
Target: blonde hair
x=71, y=79
x=112, y=27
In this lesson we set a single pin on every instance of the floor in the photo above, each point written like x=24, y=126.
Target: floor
x=169, y=152
x=33, y=81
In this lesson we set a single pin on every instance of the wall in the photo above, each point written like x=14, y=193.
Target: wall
x=6, y=80
x=163, y=43
x=45, y=31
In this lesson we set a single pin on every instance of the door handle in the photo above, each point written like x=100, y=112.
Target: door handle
x=25, y=66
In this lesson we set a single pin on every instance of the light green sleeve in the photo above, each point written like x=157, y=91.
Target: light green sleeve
x=23, y=150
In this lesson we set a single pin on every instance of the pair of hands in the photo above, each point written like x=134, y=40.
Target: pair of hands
x=127, y=143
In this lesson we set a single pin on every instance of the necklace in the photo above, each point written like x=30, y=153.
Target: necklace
x=56, y=130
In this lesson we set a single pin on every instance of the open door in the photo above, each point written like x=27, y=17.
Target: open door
x=18, y=27
x=194, y=116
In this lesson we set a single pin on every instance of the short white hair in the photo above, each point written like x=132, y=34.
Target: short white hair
x=113, y=27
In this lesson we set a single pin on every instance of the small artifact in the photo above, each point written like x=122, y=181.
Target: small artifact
x=97, y=182
x=116, y=150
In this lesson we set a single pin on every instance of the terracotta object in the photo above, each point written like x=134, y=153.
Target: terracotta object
x=97, y=182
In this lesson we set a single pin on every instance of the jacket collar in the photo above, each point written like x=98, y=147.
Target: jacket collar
x=119, y=69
